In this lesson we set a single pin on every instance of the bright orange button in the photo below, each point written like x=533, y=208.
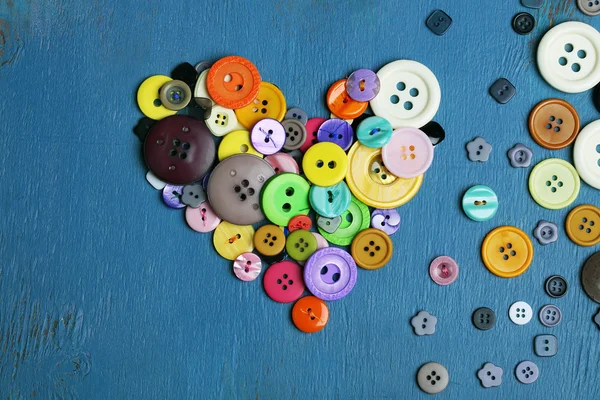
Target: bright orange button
x=233, y=82
x=583, y=225
x=341, y=104
x=310, y=314
x=507, y=252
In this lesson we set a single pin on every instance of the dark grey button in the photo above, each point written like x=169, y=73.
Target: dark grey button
x=490, y=375
x=329, y=225
x=597, y=319
x=520, y=156
x=439, y=22
x=545, y=345
x=546, y=232
x=200, y=108
x=202, y=66
x=298, y=114
x=527, y=372
x=143, y=127
x=550, y=315
x=590, y=277
x=532, y=3
x=478, y=149
x=502, y=91
x=193, y=195
x=556, y=286
x=295, y=134
x=589, y=7
x=423, y=323
x=234, y=188
x=185, y=72
x=484, y=318
x=435, y=132
x=596, y=96
x=523, y=23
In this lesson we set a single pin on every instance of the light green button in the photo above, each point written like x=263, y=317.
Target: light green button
x=554, y=184
x=480, y=203
x=355, y=219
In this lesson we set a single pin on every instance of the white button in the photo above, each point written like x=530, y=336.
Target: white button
x=200, y=89
x=520, y=313
x=222, y=121
x=154, y=181
x=410, y=94
x=432, y=378
x=586, y=153
x=567, y=57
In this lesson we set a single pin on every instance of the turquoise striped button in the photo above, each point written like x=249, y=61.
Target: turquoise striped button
x=480, y=203
x=374, y=132
x=330, y=201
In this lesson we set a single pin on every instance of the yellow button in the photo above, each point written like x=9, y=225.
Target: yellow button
x=371, y=182
x=148, y=98
x=269, y=103
x=232, y=240
x=507, y=251
x=372, y=249
x=236, y=142
x=583, y=225
x=325, y=164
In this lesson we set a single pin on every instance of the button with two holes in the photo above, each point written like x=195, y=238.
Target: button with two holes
x=439, y=22
x=310, y=314
x=480, y=203
x=545, y=345
x=284, y=197
x=502, y=90
x=231, y=240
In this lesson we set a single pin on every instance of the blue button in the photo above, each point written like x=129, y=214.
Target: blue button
x=480, y=203
x=374, y=132
x=330, y=201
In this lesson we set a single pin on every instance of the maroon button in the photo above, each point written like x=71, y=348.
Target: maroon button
x=179, y=149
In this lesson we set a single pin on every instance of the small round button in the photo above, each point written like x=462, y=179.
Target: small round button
x=325, y=164
x=443, y=270
x=554, y=184
x=298, y=114
x=433, y=378
x=586, y=154
x=355, y=219
x=550, y=315
x=282, y=162
x=269, y=240
x=385, y=220
x=172, y=196
x=484, y=318
x=583, y=225
x=330, y=201
x=284, y=197
x=523, y=23
x=268, y=136
x=310, y=314
x=507, y=252
x=247, y=267
x=233, y=82
x=330, y=273
x=283, y=282
x=148, y=98
x=300, y=245
x=374, y=132
x=363, y=85
x=269, y=103
x=556, y=286
x=341, y=104
x=232, y=240
x=480, y=203
x=202, y=219
x=590, y=277
x=312, y=130
x=299, y=222
x=553, y=124
x=237, y=142
x=336, y=131
x=175, y=95
x=372, y=249
x=520, y=313
x=589, y=7
x=409, y=153
x=295, y=134
x=527, y=372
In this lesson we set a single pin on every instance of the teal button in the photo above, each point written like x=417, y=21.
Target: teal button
x=330, y=201
x=480, y=203
x=374, y=132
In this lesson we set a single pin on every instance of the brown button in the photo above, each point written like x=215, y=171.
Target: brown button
x=269, y=240
x=234, y=188
x=554, y=124
x=179, y=149
x=371, y=248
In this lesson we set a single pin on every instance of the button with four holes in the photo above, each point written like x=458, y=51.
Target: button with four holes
x=484, y=318
x=283, y=282
x=545, y=345
x=550, y=315
x=554, y=184
x=175, y=95
x=310, y=314
x=269, y=240
x=231, y=240
x=247, y=267
x=583, y=225
x=480, y=203
x=325, y=164
x=556, y=286
x=408, y=154
x=523, y=23
x=222, y=121
x=443, y=270
x=433, y=378
x=295, y=134
x=507, y=252
x=300, y=245
x=527, y=372
x=520, y=313
x=372, y=248
x=553, y=124
x=269, y=103
x=202, y=219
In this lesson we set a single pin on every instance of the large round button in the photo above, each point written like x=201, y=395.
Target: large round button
x=567, y=57
x=269, y=240
x=179, y=149
x=330, y=273
x=341, y=104
x=583, y=225
x=554, y=184
x=410, y=94
x=310, y=314
x=586, y=154
x=284, y=197
x=148, y=98
x=325, y=164
x=355, y=219
x=433, y=378
x=480, y=203
x=283, y=282
x=590, y=277
x=232, y=240
x=247, y=267
x=237, y=142
x=553, y=124
x=443, y=270
x=202, y=219
x=300, y=245
x=507, y=252
x=233, y=82
x=269, y=103
x=330, y=201
x=234, y=188
x=372, y=249
x=409, y=153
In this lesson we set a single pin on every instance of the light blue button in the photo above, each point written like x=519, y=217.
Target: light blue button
x=480, y=203
x=374, y=132
x=330, y=201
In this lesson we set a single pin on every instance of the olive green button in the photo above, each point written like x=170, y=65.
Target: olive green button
x=300, y=245
x=554, y=184
x=283, y=197
x=355, y=219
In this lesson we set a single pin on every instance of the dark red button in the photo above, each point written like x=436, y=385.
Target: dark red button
x=179, y=149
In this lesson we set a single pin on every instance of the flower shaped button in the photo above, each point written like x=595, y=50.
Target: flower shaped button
x=385, y=220
x=546, y=232
x=520, y=156
x=490, y=375
x=478, y=149
x=193, y=195
x=423, y=323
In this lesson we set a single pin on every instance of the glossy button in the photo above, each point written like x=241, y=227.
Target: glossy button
x=232, y=240
x=409, y=153
x=363, y=85
x=172, y=196
x=283, y=282
x=590, y=277
x=269, y=240
x=310, y=314
x=330, y=201
x=237, y=142
x=268, y=136
x=329, y=225
x=300, y=245
x=439, y=22
x=295, y=134
x=523, y=23
x=374, y=132
x=550, y=315
x=583, y=225
x=325, y=164
x=202, y=219
x=233, y=82
x=330, y=273
x=546, y=232
x=586, y=154
x=299, y=222
x=507, y=252
x=355, y=219
x=554, y=184
x=443, y=270
x=385, y=220
x=589, y=7
x=284, y=197
x=222, y=121
x=341, y=104
x=372, y=249
x=148, y=97
x=175, y=95
x=480, y=203
x=502, y=90
x=435, y=132
x=269, y=103
x=282, y=162
x=484, y=318
x=553, y=124
x=556, y=286
x=520, y=313
x=247, y=267
x=193, y=195
x=336, y=131
x=312, y=130
x=520, y=156
x=433, y=378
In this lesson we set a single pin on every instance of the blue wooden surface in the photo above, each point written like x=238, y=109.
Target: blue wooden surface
x=107, y=294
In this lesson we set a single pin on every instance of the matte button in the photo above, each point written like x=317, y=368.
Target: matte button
x=330, y=273
x=269, y=240
x=325, y=164
x=385, y=220
x=479, y=150
x=232, y=240
x=374, y=132
x=520, y=313
x=269, y=103
x=172, y=196
x=556, y=286
x=484, y=318
x=586, y=154
x=490, y=375
x=583, y=225
x=312, y=130
x=268, y=136
x=597, y=319
x=439, y=22
x=554, y=184
x=546, y=232
x=283, y=282
x=433, y=378
x=193, y=195
x=589, y=7
x=520, y=156
x=341, y=104
x=329, y=225
x=363, y=85
x=175, y=95
x=443, y=270
x=435, y=132
x=282, y=162
x=553, y=124
x=527, y=372
x=284, y=197
x=300, y=245
x=233, y=82
x=502, y=90
x=371, y=249
x=200, y=108
x=423, y=323
x=185, y=72
x=299, y=222
x=545, y=345
x=507, y=252
x=237, y=142
x=336, y=131
x=523, y=23
x=409, y=153
x=222, y=121
x=533, y=3
x=247, y=267
x=295, y=134
x=550, y=315
x=298, y=114
x=148, y=98
x=310, y=314
x=143, y=127
x=355, y=219
x=590, y=277
x=480, y=203
x=330, y=201
x=202, y=219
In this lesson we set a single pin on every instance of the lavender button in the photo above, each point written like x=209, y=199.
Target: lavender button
x=330, y=273
x=172, y=196
x=268, y=136
x=336, y=131
x=385, y=220
x=363, y=85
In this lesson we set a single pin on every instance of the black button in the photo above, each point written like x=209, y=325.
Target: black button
x=439, y=22
x=556, y=286
x=502, y=91
x=484, y=318
x=142, y=128
x=185, y=72
x=435, y=132
x=590, y=277
x=523, y=23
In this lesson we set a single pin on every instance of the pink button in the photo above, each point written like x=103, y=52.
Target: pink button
x=284, y=282
x=202, y=219
x=283, y=162
x=408, y=154
x=312, y=127
x=247, y=266
x=443, y=270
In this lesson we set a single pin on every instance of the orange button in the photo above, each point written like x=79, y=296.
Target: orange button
x=371, y=248
x=269, y=240
x=233, y=82
x=341, y=104
x=553, y=124
x=310, y=314
x=583, y=225
x=507, y=251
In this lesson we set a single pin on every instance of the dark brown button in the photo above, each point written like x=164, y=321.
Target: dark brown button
x=590, y=277
x=554, y=124
x=179, y=149
x=234, y=188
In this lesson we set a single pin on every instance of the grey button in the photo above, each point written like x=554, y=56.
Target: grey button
x=520, y=156
x=550, y=315
x=295, y=134
x=423, y=323
x=484, y=318
x=556, y=286
x=432, y=378
x=502, y=91
x=193, y=195
x=201, y=108
x=234, y=188
x=589, y=7
x=142, y=128
x=590, y=277
x=329, y=225
x=175, y=95
x=546, y=232
x=202, y=66
x=597, y=319
x=545, y=345
x=490, y=375
x=527, y=372
x=523, y=23
x=439, y=22
x=478, y=149
x=298, y=114
x=532, y=3
x=171, y=195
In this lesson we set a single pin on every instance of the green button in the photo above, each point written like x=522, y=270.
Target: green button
x=283, y=197
x=554, y=184
x=300, y=245
x=355, y=219
x=480, y=203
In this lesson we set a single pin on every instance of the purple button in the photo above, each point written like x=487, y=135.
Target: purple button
x=385, y=220
x=268, y=136
x=336, y=131
x=172, y=196
x=443, y=270
x=363, y=85
x=330, y=273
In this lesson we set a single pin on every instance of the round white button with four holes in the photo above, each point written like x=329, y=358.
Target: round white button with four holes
x=586, y=154
x=520, y=313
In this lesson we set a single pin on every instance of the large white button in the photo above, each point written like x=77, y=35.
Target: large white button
x=567, y=57
x=586, y=154
x=520, y=313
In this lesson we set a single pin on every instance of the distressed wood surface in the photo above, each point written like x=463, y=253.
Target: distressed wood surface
x=107, y=294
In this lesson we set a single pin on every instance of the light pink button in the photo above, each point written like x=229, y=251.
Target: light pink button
x=202, y=219
x=282, y=162
x=408, y=154
x=321, y=244
x=443, y=270
x=312, y=127
x=247, y=266
x=284, y=282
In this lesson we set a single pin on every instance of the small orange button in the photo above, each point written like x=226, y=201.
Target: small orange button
x=310, y=314
x=341, y=104
x=583, y=225
x=507, y=252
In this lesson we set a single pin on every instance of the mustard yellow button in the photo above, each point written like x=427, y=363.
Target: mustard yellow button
x=269, y=103
x=325, y=164
x=583, y=225
x=507, y=251
x=148, y=98
x=371, y=182
x=232, y=240
x=372, y=249
x=236, y=142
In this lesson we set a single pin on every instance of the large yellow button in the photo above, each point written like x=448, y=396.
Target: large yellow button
x=148, y=98
x=269, y=103
x=325, y=164
x=583, y=225
x=507, y=251
x=232, y=240
x=237, y=142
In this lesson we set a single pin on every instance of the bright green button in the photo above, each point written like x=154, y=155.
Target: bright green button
x=480, y=203
x=283, y=197
x=554, y=184
x=355, y=219
x=300, y=245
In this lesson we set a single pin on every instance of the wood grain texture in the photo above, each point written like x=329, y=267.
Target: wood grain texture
x=105, y=293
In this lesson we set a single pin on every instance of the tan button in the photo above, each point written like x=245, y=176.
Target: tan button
x=269, y=240
x=554, y=124
x=372, y=249
x=583, y=225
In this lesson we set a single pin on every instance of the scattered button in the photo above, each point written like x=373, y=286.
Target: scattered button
x=527, y=372
x=312, y=130
x=546, y=232
x=341, y=104
x=310, y=314
x=231, y=240
x=363, y=85
x=545, y=345
x=583, y=225
x=355, y=219
x=374, y=132
x=443, y=270
x=237, y=142
x=432, y=378
x=330, y=273
x=283, y=282
x=385, y=220
x=233, y=82
x=371, y=249
x=439, y=22
x=520, y=156
x=478, y=149
x=550, y=315
x=597, y=319
x=554, y=184
x=283, y=162
x=532, y=3
x=295, y=134
x=175, y=95
x=480, y=203
x=553, y=124
x=269, y=103
x=284, y=197
x=172, y=196
x=423, y=323
x=330, y=201
x=523, y=23
x=247, y=267
x=590, y=277
x=148, y=98
x=484, y=318
x=325, y=164
x=269, y=240
x=202, y=219
x=520, y=313
x=268, y=136
x=297, y=114
x=502, y=91
x=586, y=154
x=329, y=225
x=193, y=195
x=490, y=375
x=154, y=181
x=300, y=245
x=556, y=286
x=299, y=222
x=408, y=154
x=435, y=132
x=336, y=131
x=589, y=7
x=507, y=252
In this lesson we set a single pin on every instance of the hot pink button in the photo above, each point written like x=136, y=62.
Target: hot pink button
x=443, y=270
x=247, y=266
x=202, y=219
x=312, y=128
x=283, y=162
x=284, y=282
x=408, y=154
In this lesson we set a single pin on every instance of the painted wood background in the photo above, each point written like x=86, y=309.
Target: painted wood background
x=106, y=294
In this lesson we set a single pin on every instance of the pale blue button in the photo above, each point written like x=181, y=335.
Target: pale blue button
x=330, y=201
x=480, y=203
x=374, y=132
